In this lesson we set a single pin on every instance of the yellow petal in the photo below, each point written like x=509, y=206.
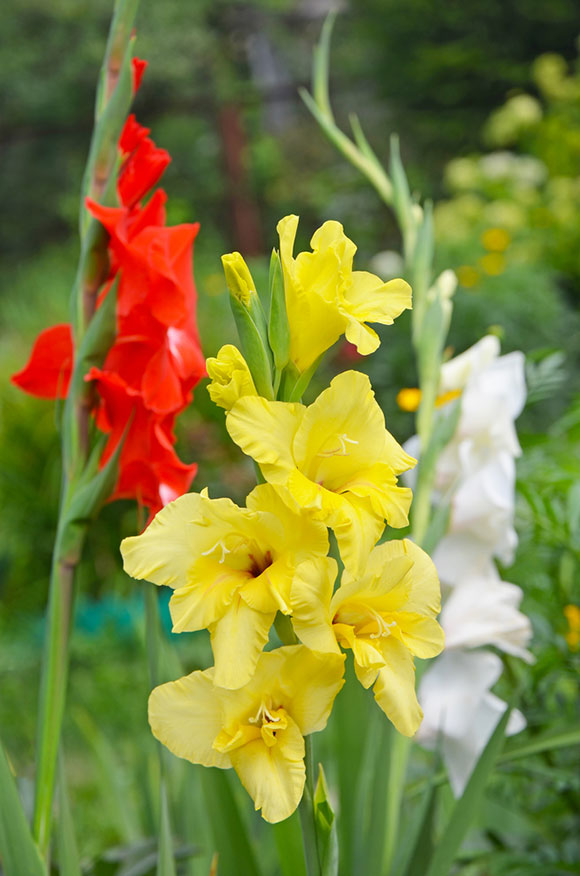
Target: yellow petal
x=364, y=338
x=230, y=377
x=186, y=716
x=237, y=640
x=378, y=584
x=394, y=688
x=357, y=530
x=300, y=534
x=379, y=485
x=342, y=431
x=310, y=600
x=311, y=682
x=421, y=635
x=368, y=659
x=176, y=536
x=368, y=299
x=423, y=593
x=331, y=235
x=270, y=591
x=274, y=775
x=200, y=603
x=265, y=430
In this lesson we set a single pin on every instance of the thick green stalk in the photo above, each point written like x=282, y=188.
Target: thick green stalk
x=80, y=496
x=165, y=860
x=54, y=678
x=400, y=748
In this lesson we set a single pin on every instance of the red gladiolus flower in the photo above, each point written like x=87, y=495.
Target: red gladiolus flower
x=155, y=361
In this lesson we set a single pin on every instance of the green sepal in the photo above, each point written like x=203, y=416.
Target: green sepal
x=325, y=821
x=18, y=851
x=68, y=854
x=252, y=330
x=278, y=328
x=295, y=383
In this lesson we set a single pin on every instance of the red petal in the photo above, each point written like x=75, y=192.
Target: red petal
x=48, y=370
x=141, y=171
x=139, y=67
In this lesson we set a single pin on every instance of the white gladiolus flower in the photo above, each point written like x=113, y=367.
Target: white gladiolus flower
x=484, y=610
x=475, y=474
x=460, y=712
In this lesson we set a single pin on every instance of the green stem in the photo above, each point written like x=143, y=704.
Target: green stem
x=53, y=686
x=306, y=812
x=395, y=787
x=153, y=633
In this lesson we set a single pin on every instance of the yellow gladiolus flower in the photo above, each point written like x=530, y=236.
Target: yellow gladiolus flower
x=325, y=298
x=259, y=728
x=386, y=615
x=335, y=457
x=231, y=569
x=230, y=377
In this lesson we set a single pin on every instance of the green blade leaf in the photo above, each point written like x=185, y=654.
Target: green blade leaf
x=417, y=847
x=18, y=852
x=68, y=854
x=288, y=839
x=320, y=67
x=165, y=860
x=236, y=855
x=560, y=737
x=466, y=807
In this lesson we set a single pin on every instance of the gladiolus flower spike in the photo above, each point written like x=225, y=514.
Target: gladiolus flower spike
x=235, y=570
x=155, y=361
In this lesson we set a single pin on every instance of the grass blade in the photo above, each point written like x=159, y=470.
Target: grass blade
x=19, y=854
x=68, y=854
x=236, y=855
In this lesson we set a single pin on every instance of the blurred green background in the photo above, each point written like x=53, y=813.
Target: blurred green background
x=486, y=99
